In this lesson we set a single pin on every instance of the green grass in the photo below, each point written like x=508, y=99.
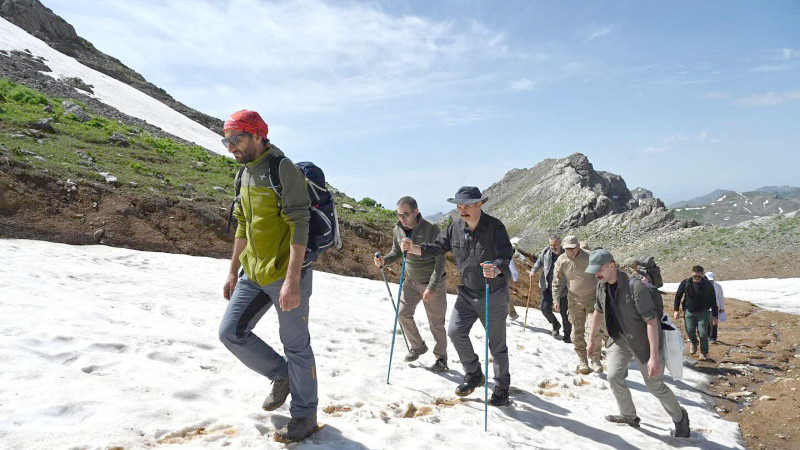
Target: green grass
x=151, y=165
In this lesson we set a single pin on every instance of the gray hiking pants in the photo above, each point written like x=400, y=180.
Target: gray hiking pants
x=619, y=355
x=435, y=309
x=248, y=304
x=470, y=308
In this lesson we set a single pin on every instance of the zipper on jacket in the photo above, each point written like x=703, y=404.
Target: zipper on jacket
x=252, y=239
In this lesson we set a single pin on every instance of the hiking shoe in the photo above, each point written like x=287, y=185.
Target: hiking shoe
x=567, y=339
x=499, y=397
x=704, y=357
x=440, y=365
x=713, y=341
x=555, y=333
x=513, y=315
x=694, y=349
x=415, y=352
x=583, y=368
x=682, y=427
x=617, y=418
x=298, y=429
x=471, y=381
x=597, y=367
x=276, y=398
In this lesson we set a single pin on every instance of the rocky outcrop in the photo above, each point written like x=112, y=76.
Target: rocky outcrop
x=40, y=21
x=569, y=197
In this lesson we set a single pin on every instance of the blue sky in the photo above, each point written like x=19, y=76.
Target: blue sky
x=417, y=98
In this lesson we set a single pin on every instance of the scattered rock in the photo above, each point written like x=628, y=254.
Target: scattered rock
x=34, y=133
x=120, y=140
x=45, y=124
x=219, y=189
x=99, y=235
x=766, y=397
x=199, y=164
x=48, y=108
x=110, y=179
x=346, y=206
x=75, y=110
x=77, y=83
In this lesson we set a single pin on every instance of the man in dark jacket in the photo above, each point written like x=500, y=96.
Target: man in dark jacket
x=424, y=280
x=632, y=317
x=483, y=252
x=697, y=296
x=545, y=262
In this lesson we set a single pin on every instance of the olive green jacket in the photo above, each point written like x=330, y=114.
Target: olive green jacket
x=271, y=223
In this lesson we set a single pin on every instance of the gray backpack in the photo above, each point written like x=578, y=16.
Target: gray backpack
x=647, y=264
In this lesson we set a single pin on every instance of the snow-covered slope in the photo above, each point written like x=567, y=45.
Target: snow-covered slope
x=106, y=347
x=110, y=91
x=778, y=294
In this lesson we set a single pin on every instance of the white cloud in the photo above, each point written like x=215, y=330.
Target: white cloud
x=523, y=84
x=768, y=99
x=598, y=32
x=295, y=57
x=717, y=95
x=668, y=142
x=788, y=54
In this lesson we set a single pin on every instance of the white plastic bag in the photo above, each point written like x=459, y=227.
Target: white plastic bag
x=673, y=347
x=723, y=316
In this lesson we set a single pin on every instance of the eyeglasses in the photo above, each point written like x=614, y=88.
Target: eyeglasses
x=234, y=139
x=697, y=277
x=404, y=215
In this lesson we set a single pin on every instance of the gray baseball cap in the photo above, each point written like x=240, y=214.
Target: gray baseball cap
x=570, y=242
x=597, y=259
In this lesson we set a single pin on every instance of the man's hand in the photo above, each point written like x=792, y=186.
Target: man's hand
x=230, y=285
x=653, y=366
x=714, y=321
x=290, y=295
x=490, y=270
x=407, y=245
x=427, y=295
x=676, y=314
x=556, y=306
x=379, y=262
x=590, y=350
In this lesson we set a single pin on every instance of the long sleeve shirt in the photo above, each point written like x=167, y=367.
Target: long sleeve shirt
x=421, y=269
x=487, y=242
x=696, y=297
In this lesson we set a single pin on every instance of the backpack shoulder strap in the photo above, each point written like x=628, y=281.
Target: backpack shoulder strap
x=237, y=188
x=274, y=172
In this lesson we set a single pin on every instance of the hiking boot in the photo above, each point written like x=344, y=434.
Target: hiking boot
x=704, y=357
x=298, y=429
x=513, y=315
x=597, y=367
x=499, y=397
x=415, y=352
x=617, y=418
x=682, y=426
x=694, y=349
x=567, y=339
x=276, y=398
x=471, y=381
x=440, y=365
x=583, y=368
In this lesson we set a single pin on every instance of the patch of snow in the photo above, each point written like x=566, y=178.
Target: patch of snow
x=780, y=210
x=118, y=355
x=698, y=207
x=777, y=294
x=111, y=91
x=722, y=198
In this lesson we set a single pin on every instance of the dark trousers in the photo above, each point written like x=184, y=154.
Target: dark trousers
x=547, y=311
x=469, y=308
x=712, y=333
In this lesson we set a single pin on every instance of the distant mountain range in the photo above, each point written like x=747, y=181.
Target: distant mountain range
x=727, y=207
x=434, y=217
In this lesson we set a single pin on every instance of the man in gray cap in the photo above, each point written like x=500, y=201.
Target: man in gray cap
x=483, y=252
x=571, y=266
x=632, y=318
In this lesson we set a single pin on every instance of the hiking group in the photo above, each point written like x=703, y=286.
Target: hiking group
x=280, y=231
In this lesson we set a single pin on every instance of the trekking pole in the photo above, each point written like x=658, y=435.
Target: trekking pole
x=528, y=303
x=396, y=315
x=486, y=377
x=378, y=255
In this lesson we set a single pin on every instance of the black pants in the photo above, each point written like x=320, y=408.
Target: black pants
x=547, y=311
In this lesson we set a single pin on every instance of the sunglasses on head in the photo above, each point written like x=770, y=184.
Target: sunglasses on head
x=234, y=139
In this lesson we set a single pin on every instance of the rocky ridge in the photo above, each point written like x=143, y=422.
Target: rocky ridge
x=41, y=22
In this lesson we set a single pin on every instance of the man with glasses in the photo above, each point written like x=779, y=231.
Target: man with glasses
x=483, y=252
x=696, y=295
x=269, y=248
x=424, y=280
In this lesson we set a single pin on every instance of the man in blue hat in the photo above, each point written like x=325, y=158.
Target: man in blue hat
x=633, y=320
x=483, y=252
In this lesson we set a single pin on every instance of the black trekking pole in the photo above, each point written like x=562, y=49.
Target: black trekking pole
x=486, y=357
x=378, y=255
